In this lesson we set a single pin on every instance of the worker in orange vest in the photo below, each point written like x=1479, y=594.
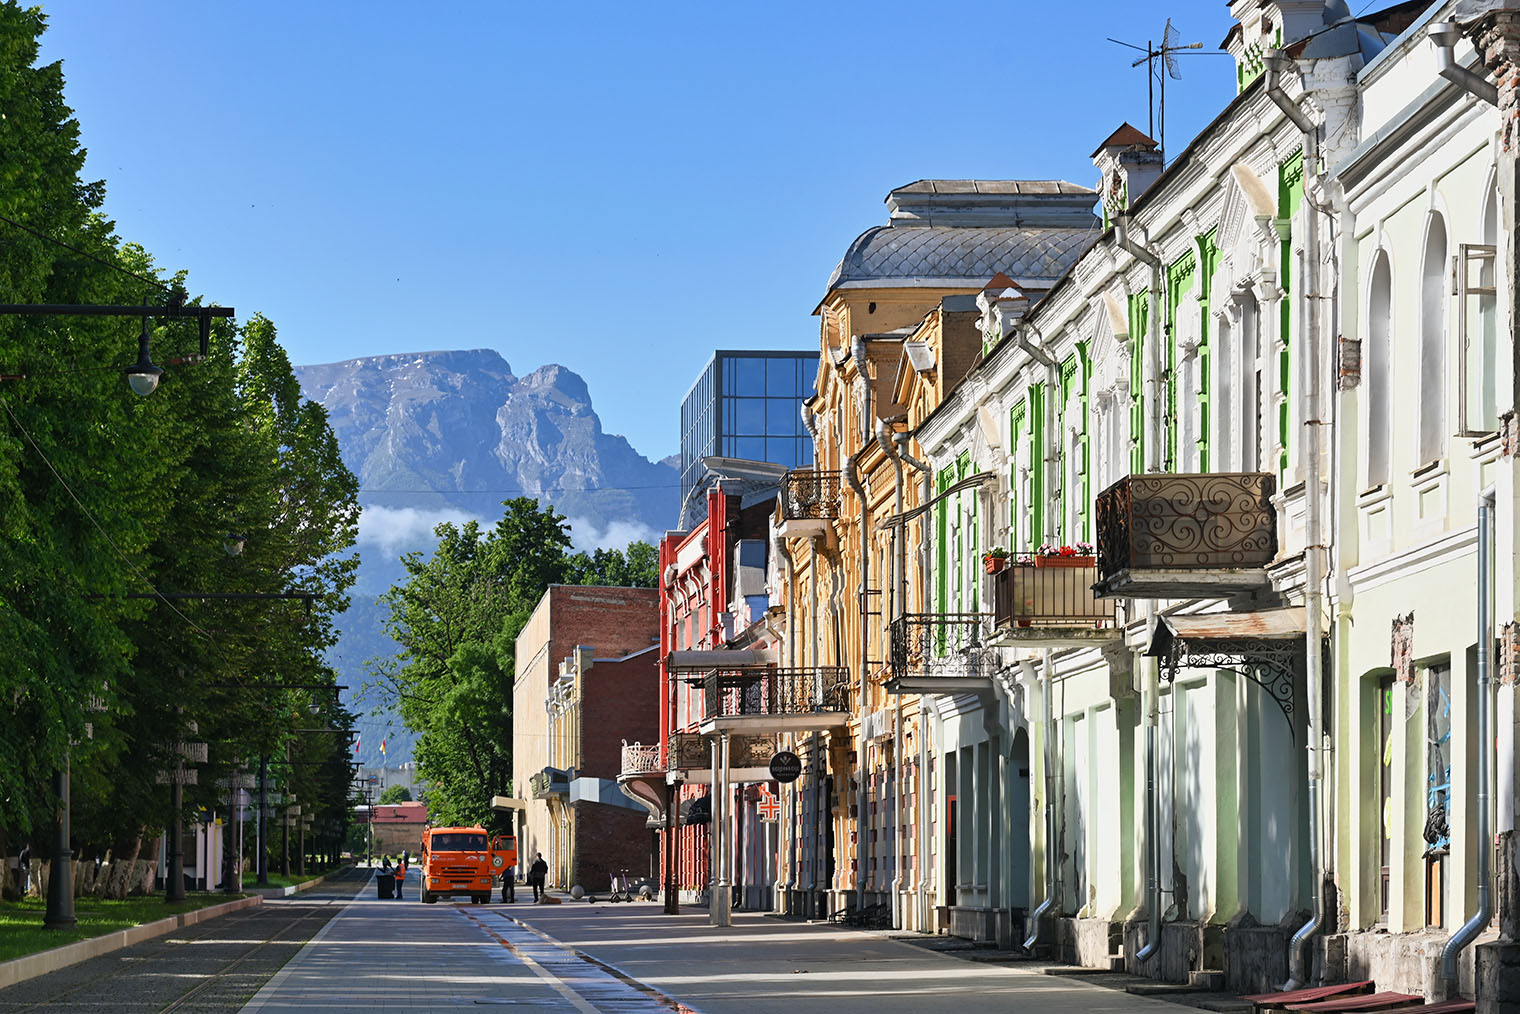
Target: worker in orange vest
x=400, y=873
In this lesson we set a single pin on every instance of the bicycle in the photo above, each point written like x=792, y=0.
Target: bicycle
x=620, y=889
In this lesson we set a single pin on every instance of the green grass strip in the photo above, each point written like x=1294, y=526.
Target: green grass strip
x=22, y=932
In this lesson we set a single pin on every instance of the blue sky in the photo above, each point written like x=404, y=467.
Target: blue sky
x=620, y=188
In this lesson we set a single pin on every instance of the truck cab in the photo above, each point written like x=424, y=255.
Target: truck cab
x=464, y=861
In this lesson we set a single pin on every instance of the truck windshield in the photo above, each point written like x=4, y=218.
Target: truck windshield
x=459, y=843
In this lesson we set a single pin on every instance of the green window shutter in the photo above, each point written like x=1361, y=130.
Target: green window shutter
x=1290, y=194
x=1016, y=511
x=1084, y=460
x=1071, y=388
x=1036, y=465
x=1179, y=282
x=1208, y=263
x=1139, y=319
x=942, y=544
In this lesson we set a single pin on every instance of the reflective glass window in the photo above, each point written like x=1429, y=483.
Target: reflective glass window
x=781, y=378
x=781, y=452
x=751, y=448
x=809, y=376
x=750, y=377
x=781, y=417
x=749, y=416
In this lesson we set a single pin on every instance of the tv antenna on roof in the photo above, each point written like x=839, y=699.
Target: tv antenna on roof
x=1166, y=53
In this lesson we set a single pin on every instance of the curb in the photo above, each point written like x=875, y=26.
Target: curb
x=285, y=892
x=30, y=966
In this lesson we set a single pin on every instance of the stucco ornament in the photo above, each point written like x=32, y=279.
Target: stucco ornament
x=1247, y=238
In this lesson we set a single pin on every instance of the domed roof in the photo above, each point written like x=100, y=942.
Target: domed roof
x=959, y=233
x=958, y=257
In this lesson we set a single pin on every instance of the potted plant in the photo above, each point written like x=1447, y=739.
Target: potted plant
x=995, y=559
x=1079, y=555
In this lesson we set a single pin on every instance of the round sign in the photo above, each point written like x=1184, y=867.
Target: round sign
x=785, y=766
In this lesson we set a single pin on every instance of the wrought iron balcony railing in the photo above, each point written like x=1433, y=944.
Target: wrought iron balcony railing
x=1187, y=522
x=772, y=691
x=639, y=759
x=1057, y=596
x=808, y=494
x=941, y=644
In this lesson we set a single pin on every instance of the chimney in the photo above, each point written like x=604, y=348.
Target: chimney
x=1128, y=163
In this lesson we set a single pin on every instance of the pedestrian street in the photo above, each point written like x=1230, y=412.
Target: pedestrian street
x=387, y=955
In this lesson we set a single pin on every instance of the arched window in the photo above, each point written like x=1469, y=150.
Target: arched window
x=1377, y=367
x=1433, y=422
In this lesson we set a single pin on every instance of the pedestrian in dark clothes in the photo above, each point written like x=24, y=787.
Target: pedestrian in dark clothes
x=536, y=874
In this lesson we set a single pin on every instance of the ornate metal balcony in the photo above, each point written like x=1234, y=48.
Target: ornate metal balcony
x=809, y=502
x=1186, y=536
x=639, y=759
x=768, y=691
x=941, y=653
x=1051, y=605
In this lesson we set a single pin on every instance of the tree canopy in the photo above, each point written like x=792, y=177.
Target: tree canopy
x=116, y=512
x=456, y=617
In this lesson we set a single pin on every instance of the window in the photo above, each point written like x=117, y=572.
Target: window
x=459, y=842
x=1384, y=706
x=1438, y=789
x=1432, y=415
x=1377, y=367
x=1484, y=406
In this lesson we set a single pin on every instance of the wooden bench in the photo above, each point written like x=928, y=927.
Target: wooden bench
x=1364, y=1002
x=1261, y=1003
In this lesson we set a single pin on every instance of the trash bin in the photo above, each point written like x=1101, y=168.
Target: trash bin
x=385, y=884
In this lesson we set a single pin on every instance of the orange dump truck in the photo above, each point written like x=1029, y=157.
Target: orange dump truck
x=464, y=860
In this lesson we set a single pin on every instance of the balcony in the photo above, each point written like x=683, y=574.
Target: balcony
x=768, y=699
x=641, y=777
x=941, y=653
x=749, y=756
x=1051, y=606
x=550, y=783
x=1186, y=536
x=809, y=502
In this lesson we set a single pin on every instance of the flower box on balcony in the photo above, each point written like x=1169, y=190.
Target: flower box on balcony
x=1066, y=561
x=994, y=563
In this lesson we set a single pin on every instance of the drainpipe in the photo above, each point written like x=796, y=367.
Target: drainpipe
x=810, y=423
x=899, y=548
x=1151, y=669
x=1445, y=35
x=1299, y=958
x=1047, y=720
x=1470, y=929
x=927, y=708
x=1153, y=406
x=852, y=476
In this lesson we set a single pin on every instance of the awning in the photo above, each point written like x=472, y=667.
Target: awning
x=1266, y=624
x=508, y=803
x=707, y=661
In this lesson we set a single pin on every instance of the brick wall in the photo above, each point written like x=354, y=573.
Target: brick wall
x=620, y=700
x=609, y=839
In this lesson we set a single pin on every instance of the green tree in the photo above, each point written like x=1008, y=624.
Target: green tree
x=456, y=617
x=395, y=794
x=638, y=566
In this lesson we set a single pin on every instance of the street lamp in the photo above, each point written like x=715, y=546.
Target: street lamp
x=143, y=375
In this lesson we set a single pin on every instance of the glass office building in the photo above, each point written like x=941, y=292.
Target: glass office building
x=747, y=405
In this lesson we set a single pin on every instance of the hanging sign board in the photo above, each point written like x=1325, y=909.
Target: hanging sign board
x=785, y=766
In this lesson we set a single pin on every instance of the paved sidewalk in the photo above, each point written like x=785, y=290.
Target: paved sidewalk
x=579, y=958
x=762, y=965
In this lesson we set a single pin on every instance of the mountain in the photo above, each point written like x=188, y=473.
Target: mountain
x=447, y=436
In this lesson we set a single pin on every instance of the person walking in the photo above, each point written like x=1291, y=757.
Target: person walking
x=536, y=874
x=400, y=874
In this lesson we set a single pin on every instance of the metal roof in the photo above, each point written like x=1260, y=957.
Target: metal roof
x=888, y=257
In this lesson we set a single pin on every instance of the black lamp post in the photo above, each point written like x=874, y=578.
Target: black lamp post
x=60, y=899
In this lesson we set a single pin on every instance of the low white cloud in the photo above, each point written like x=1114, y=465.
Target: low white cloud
x=401, y=529
x=586, y=536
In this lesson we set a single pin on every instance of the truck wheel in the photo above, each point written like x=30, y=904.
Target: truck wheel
x=428, y=897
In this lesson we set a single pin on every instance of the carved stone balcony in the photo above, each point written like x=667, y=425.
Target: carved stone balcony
x=639, y=759
x=809, y=502
x=641, y=777
x=1051, y=606
x=1186, y=536
x=941, y=653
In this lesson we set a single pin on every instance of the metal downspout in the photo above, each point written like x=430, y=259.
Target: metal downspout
x=899, y=582
x=1299, y=959
x=1445, y=35
x=852, y=476
x=1475, y=925
x=925, y=705
x=1047, y=721
x=1153, y=407
x=1151, y=669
